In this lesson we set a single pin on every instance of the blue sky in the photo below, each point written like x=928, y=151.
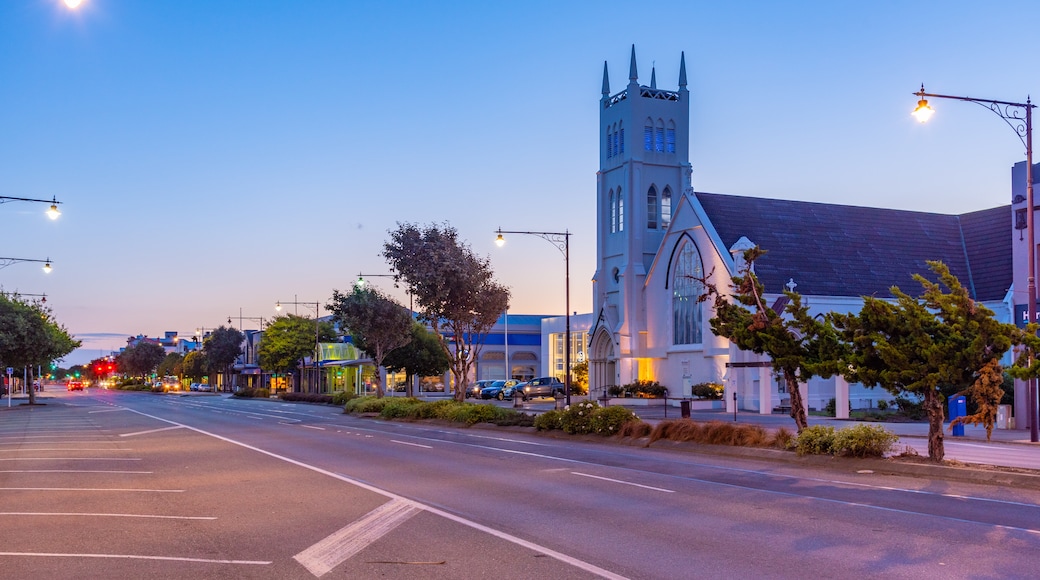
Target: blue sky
x=217, y=155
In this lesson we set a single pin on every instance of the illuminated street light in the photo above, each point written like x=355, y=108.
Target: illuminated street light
x=1018, y=116
x=361, y=284
x=52, y=213
x=73, y=4
x=562, y=241
x=5, y=262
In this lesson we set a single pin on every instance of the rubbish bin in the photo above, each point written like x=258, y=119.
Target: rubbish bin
x=684, y=409
x=958, y=407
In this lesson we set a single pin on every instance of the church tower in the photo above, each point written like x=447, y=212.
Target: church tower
x=644, y=167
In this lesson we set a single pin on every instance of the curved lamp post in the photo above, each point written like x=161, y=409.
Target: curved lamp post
x=53, y=212
x=5, y=262
x=1018, y=116
x=562, y=241
x=317, y=311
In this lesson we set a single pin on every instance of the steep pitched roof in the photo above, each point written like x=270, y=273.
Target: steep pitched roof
x=842, y=250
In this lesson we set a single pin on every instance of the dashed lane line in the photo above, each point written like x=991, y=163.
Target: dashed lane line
x=149, y=432
x=92, y=515
x=137, y=557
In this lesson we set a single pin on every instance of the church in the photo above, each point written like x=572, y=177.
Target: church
x=657, y=234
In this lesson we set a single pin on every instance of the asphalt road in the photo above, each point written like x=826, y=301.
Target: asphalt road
x=108, y=484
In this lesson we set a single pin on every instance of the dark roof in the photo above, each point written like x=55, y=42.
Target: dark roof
x=842, y=250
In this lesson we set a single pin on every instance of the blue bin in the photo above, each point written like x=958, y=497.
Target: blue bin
x=958, y=407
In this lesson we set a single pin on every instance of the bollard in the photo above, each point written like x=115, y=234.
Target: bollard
x=684, y=409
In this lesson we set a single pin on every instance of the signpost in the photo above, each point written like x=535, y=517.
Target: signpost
x=10, y=372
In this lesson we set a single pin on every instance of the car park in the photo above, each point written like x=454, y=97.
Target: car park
x=494, y=391
x=543, y=387
x=474, y=389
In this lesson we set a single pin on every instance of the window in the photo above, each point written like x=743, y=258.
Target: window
x=615, y=143
x=620, y=211
x=648, y=138
x=659, y=138
x=686, y=288
x=669, y=139
x=610, y=150
x=651, y=208
x=621, y=140
x=613, y=213
x=666, y=207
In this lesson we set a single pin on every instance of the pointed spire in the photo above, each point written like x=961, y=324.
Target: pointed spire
x=633, y=76
x=653, y=77
x=606, y=81
x=682, y=70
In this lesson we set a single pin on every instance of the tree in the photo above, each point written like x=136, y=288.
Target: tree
x=141, y=359
x=454, y=289
x=581, y=377
x=423, y=356
x=919, y=345
x=377, y=322
x=288, y=339
x=799, y=346
x=30, y=336
x=194, y=365
x=172, y=365
x=222, y=347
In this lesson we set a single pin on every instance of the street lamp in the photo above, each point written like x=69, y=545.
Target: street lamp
x=317, y=312
x=562, y=241
x=1018, y=116
x=5, y=262
x=52, y=213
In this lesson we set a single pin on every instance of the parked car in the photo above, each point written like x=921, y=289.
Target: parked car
x=474, y=389
x=514, y=391
x=203, y=388
x=494, y=391
x=543, y=387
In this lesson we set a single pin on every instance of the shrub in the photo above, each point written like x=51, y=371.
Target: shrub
x=400, y=408
x=831, y=409
x=253, y=393
x=635, y=428
x=615, y=391
x=549, y=421
x=609, y=420
x=367, y=404
x=910, y=408
x=651, y=389
x=815, y=440
x=783, y=438
x=578, y=417
x=882, y=405
x=303, y=397
x=863, y=441
x=341, y=397
x=707, y=391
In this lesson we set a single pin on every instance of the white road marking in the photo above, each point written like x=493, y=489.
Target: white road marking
x=571, y=560
x=412, y=444
x=70, y=458
x=74, y=471
x=64, y=514
x=136, y=557
x=339, y=547
x=149, y=432
x=89, y=489
x=108, y=410
x=313, y=427
x=61, y=449
x=623, y=482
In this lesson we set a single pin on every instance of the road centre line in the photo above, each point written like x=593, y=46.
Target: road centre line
x=61, y=449
x=412, y=444
x=108, y=410
x=313, y=427
x=580, y=564
x=76, y=471
x=70, y=458
x=340, y=546
x=147, y=516
x=149, y=432
x=136, y=557
x=623, y=482
x=89, y=489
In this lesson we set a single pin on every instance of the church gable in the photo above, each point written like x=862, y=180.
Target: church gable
x=839, y=250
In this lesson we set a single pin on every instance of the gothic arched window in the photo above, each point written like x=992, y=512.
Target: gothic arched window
x=621, y=138
x=669, y=138
x=648, y=135
x=613, y=213
x=687, y=272
x=620, y=211
x=659, y=137
x=666, y=207
x=651, y=208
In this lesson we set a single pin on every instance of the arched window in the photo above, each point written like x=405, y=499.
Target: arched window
x=621, y=140
x=620, y=211
x=651, y=208
x=610, y=143
x=659, y=137
x=687, y=272
x=648, y=135
x=615, y=141
x=669, y=138
x=666, y=207
x=613, y=213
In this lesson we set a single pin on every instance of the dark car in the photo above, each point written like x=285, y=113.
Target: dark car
x=474, y=389
x=543, y=387
x=495, y=390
